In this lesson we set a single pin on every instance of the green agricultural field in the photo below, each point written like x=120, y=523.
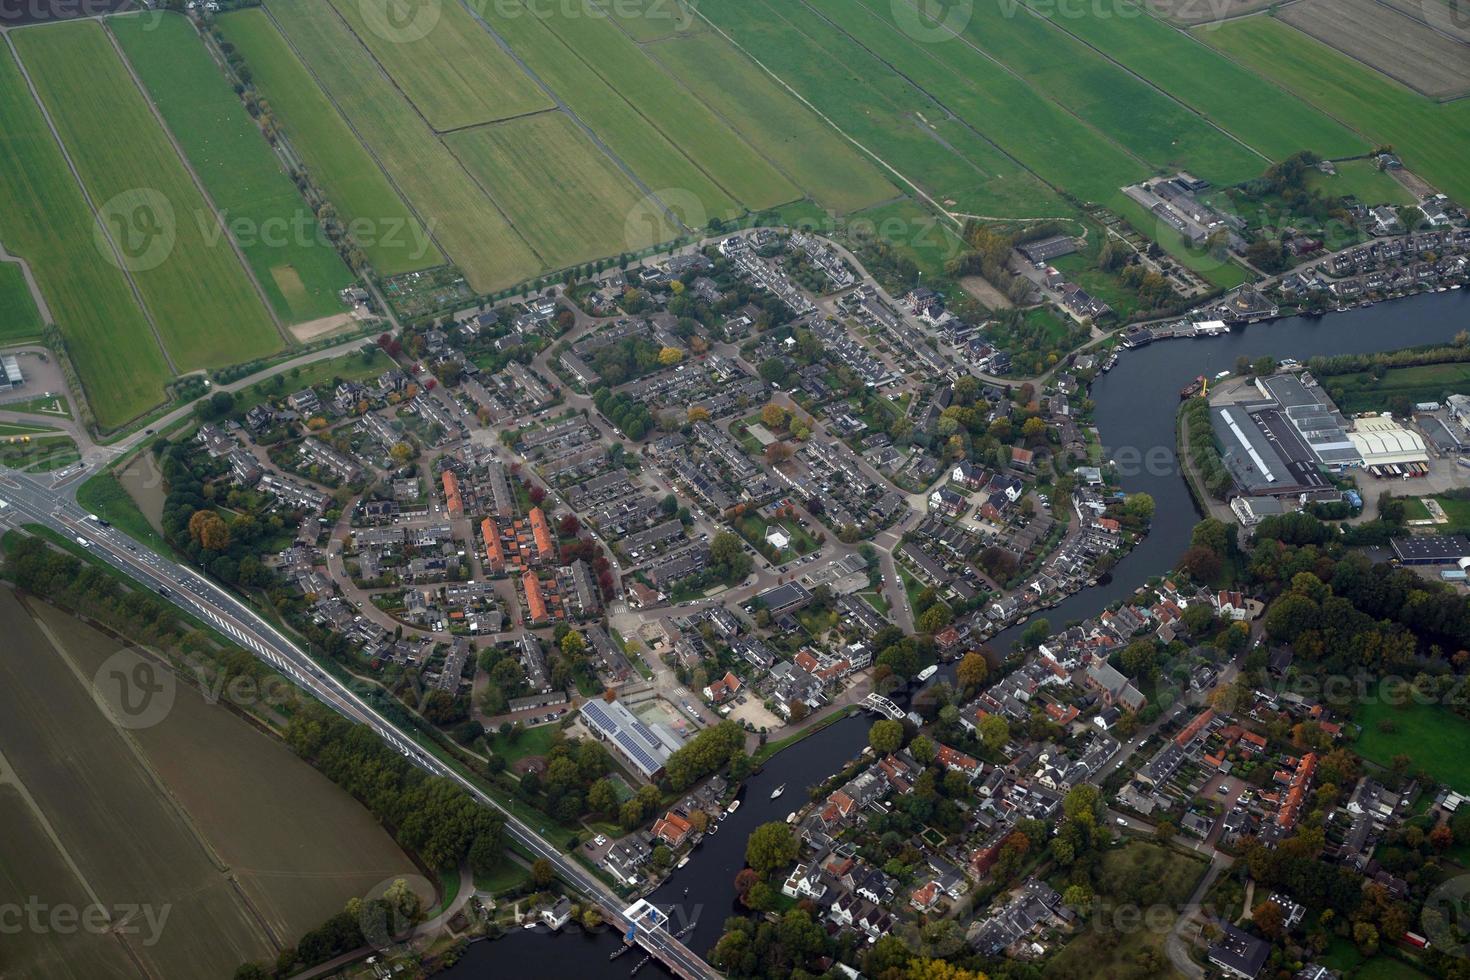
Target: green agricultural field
x=661, y=99
x=662, y=166
x=19, y=318
x=447, y=65
x=464, y=220
x=1116, y=104
x=381, y=225
x=1433, y=138
x=885, y=113
x=207, y=312
x=565, y=196
x=1363, y=180
x=45, y=220
x=1045, y=138
x=833, y=172
x=1359, y=392
x=294, y=262
x=1259, y=113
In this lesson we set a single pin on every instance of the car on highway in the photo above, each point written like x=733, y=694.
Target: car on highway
x=1122, y=822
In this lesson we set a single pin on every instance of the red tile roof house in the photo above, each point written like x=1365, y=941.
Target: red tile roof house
x=925, y=897
x=723, y=689
x=957, y=761
x=672, y=828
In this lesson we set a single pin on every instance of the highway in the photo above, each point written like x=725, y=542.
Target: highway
x=47, y=502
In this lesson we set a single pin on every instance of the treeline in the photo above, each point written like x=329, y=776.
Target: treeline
x=989, y=254
x=632, y=418
x=1455, y=353
x=704, y=754
x=1204, y=448
x=431, y=816
x=1340, y=609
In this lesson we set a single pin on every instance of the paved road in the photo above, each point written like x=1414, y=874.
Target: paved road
x=38, y=501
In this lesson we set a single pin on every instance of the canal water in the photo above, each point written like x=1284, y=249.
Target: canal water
x=1136, y=404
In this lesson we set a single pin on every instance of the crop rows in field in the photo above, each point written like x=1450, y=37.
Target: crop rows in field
x=45, y=219
x=299, y=269
x=567, y=199
x=453, y=72
x=381, y=225
x=1400, y=46
x=207, y=311
x=460, y=215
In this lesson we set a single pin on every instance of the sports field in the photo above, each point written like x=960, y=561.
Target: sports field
x=19, y=318
x=888, y=115
x=451, y=69
x=376, y=218
x=1259, y=113
x=462, y=217
x=45, y=220
x=1432, y=138
x=569, y=201
x=207, y=312
x=298, y=267
x=663, y=101
x=826, y=166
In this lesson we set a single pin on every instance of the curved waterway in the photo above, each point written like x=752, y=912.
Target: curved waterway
x=1135, y=407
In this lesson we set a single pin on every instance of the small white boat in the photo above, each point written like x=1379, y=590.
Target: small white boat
x=778, y=791
x=791, y=817
x=733, y=807
x=928, y=672
x=682, y=861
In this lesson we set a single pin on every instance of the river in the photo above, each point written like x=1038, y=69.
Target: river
x=1135, y=409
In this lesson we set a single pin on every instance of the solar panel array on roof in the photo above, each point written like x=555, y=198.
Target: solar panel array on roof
x=638, y=742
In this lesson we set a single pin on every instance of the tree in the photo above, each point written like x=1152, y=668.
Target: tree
x=208, y=529
x=572, y=645
x=972, y=670
x=543, y=873
x=886, y=736
x=401, y=452
x=1268, y=918
x=995, y=732
x=771, y=846
x=923, y=749
x=773, y=416
x=670, y=356
x=1033, y=429
x=602, y=796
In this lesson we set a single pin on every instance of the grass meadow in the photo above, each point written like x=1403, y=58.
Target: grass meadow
x=827, y=167
x=658, y=162
x=45, y=219
x=660, y=98
x=887, y=114
x=1430, y=734
x=207, y=312
x=462, y=217
x=1363, y=180
x=1432, y=138
x=298, y=267
x=450, y=68
x=389, y=234
x=1240, y=101
x=1359, y=392
x=19, y=318
x=568, y=200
